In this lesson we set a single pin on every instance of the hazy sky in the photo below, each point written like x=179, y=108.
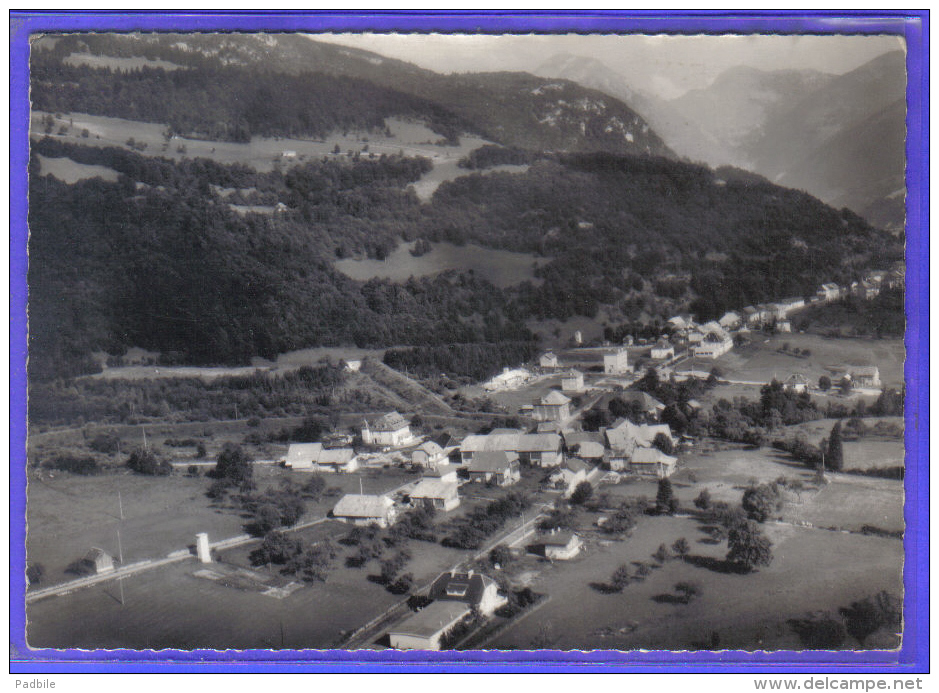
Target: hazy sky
x=666, y=65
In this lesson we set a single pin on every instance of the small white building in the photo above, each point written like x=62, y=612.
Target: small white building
x=715, y=343
x=429, y=454
x=783, y=326
x=569, y=475
x=548, y=360
x=442, y=472
x=557, y=546
x=391, y=430
x=555, y=406
x=572, y=381
x=663, y=350
x=616, y=362
x=315, y=458
x=828, y=292
x=98, y=561
x=652, y=462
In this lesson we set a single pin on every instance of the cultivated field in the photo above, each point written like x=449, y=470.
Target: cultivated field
x=69, y=171
x=501, y=267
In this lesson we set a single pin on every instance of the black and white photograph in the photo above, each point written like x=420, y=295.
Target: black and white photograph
x=441, y=341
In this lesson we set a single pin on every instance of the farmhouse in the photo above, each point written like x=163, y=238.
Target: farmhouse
x=364, y=510
x=315, y=458
x=652, y=462
x=429, y=454
x=585, y=444
x=470, y=588
x=616, y=363
x=548, y=360
x=625, y=435
x=423, y=630
x=508, y=379
x=568, y=475
x=555, y=406
x=557, y=546
x=572, y=381
x=501, y=468
x=646, y=403
x=436, y=494
x=865, y=376
x=541, y=449
x=391, y=430
x=796, y=383
x=663, y=350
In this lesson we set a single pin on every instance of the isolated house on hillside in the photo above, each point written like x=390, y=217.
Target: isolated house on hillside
x=796, y=383
x=364, y=510
x=501, y=468
x=391, y=430
x=555, y=406
x=616, y=363
x=865, y=376
x=314, y=457
x=470, y=588
x=572, y=381
x=98, y=561
x=436, y=494
x=548, y=360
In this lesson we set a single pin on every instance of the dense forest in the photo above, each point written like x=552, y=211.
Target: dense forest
x=159, y=260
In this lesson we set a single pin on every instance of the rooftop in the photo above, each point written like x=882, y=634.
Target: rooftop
x=432, y=619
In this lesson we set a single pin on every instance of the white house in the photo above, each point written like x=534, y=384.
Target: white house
x=391, y=430
x=572, y=381
x=865, y=376
x=796, y=383
x=436, y=494
x=470, y=588
x=98, y=561
x=539, y=449
x=828, y=292
x=715, y=343
x=730, y=320
x=663, y=350
x=508, y=379
x=557, y=546
x=364, y=510
x=442, y=472
x=616, y=362
x=568, y=475
x=500, y=468
x=429, y=454
x=548, y=360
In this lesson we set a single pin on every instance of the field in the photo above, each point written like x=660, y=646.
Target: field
x=263, y=153
x=501, y=267
x=813, y=570
x=69, y=171
x=762, y=361
x=67, y=515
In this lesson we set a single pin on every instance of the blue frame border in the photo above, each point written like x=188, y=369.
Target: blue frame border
x=913, y=657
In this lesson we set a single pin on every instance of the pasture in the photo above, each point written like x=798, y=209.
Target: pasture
x=501, y=267
x=813, y=570
x=111, y=62
x=70, y=172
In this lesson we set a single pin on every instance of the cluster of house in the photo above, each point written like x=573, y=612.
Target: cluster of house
x=866, y=288
x=709, y=340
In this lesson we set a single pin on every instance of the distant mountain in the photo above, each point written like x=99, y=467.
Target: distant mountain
x=844, y=142
x=514, y=109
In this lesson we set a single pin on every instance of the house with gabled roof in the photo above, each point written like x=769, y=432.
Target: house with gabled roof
x=557, y=545
x=423, y=630
x=540, y=449
x=568, y=475
x=436, y=494
x=828, y=292
x=572, y=381
x=730, y=320
x=315, y=458
x=471, y=588
x=498, y=467
x=663, y=350
x=715, y=343
x=616, y=362
x=652, y=462
x=428, y=454
x=391, y=430
x=363, y=510
x=548, y=360
x=98, y=561
x=555, y=406
x=586, y=445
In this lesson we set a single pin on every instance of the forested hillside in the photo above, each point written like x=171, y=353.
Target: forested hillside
x=159, y=260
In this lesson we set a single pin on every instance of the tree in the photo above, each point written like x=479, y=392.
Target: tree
x=845, y=385
x=277, y=548
x=501, y=555
x=824, y=383
x=688, y=590
x=234, y=465
x=35, y=573
x=703, y=501
x=620, y=577
x=760, y=501
x=681, y=548
x=834, y=459
x=582, y=493
x=663, y=443
x=145, y=462
x=661, y=554
x=748, y=546
x=865, y=617
x=665, y=503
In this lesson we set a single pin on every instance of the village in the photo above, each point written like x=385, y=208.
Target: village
x=515, y=503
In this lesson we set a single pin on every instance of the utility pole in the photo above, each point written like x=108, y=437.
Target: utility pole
x=120, y=504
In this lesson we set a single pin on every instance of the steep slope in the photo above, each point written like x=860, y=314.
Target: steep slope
x=272, y=77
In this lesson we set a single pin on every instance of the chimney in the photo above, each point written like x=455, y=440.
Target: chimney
x=202, y=547
x=469, y=574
